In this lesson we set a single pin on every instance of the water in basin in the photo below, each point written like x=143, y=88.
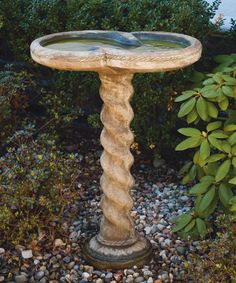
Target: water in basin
x=90, y=44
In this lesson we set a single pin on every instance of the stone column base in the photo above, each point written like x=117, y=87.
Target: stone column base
x=117, y=257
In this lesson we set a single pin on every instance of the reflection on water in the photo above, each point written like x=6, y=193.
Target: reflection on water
x=91, y=44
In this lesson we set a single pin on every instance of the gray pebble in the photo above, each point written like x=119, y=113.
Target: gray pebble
x=139, y=279
x=21, y=278
x=26, y=254
x=67, y=259
x=39, y=275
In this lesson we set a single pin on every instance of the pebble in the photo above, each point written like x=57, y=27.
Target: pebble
x=39, y=275
x=139, y=279
x=2, y=251
x=108, y=277
x=154, y=206
x=26, y=254
x=21, y=278
x=85, y=275
x=2, y=278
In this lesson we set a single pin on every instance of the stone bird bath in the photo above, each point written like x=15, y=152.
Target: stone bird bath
x=116, y=56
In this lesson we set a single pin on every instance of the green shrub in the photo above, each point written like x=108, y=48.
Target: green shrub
x=214, y=260
x=23, y=98
x=213, y=107
x=37, y=181
x=24, y=20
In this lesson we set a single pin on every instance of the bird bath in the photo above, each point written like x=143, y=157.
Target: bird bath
x=116, y=56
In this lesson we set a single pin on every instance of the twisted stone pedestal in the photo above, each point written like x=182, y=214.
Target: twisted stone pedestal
x=117, y=245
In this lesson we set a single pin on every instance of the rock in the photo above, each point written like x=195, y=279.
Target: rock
x=85, y=275
x=43, y=280
x=58, y=243
x=139, y=279
x=147, y=273
x=150, y=280
x=2, y=251
x=181, y=250
x=67, y=259
x=21, y=278
x=26, y=254
x=99, y=280
x=129, y=279
x=108, y=277
x=148, y=230
x=88, y=269
x=73, y=236
x=2, y=278
x=39, y=275
x=36, y=262
x=97, y=273
x=158, y=281
x=118, y=276
x=136, y=274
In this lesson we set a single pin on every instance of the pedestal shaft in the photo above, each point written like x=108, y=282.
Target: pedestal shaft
x=116, y=227
x=117, y=245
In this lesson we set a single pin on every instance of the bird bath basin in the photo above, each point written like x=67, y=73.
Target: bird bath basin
x=116, y=56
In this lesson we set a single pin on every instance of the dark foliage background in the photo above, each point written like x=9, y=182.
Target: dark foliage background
x=43, y=94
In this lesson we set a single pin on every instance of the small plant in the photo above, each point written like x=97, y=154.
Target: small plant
x=36, y=183
x=212, y=107
x=215, y=259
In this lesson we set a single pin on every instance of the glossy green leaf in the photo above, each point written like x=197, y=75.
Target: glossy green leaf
x=205, y=150
x=232, y=139
x=215, y=157
x=207, y=199
x=219, y=135
x=234, y=162
x=201, y=106
x=200, y=188
x=230, y=128
x=228, y=91
x=225, y=194
x=213, y=126
x=209, y=179
x=233, y=181
x=214, y=142
x=229, y=80
x=189, y=143
x=190, y=226
x=226, y=147
x=209, y=91
x=185, y=95
x=192, y=116
x=186, y=107
x=217, y=78
x=223, y=170
x=190, y=132
x=208, y=82
x=212, y=110
x=201, y=227
x=183, y=220
x=223, y=104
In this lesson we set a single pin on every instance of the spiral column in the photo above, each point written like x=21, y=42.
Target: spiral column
x=117, y=245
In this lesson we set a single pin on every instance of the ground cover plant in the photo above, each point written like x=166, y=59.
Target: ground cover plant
x=37, y=182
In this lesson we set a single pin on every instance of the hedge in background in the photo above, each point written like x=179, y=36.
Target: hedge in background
x=21, y=21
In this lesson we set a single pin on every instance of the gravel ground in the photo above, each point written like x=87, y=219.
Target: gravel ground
x=157, y=198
